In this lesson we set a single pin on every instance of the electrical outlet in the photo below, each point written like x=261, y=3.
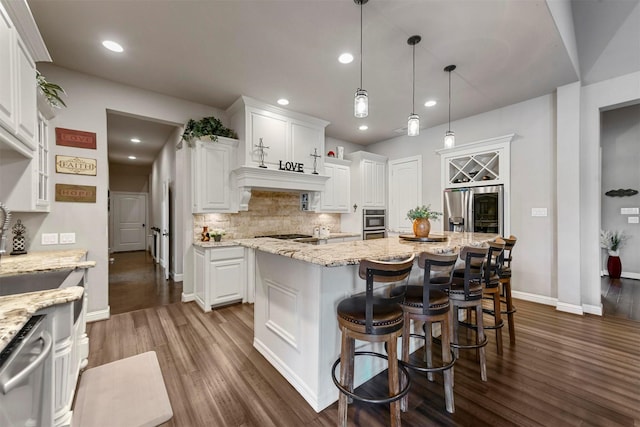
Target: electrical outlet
x=67, y=238
x=629, y=211
x=633, y=220
x=49, y=238
x=538, y=211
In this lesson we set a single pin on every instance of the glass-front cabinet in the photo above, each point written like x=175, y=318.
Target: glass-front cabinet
x=480, y=163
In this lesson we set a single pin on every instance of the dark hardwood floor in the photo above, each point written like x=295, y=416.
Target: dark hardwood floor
x=621, y=298
x=136, y=282
x=564, y=370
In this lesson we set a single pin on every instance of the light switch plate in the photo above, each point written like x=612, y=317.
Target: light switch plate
x=49, y=238
x=633, y=220
x=67, y=238
x=629, y=211
x=538, y=211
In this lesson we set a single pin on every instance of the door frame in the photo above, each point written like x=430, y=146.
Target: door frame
x=394, y=164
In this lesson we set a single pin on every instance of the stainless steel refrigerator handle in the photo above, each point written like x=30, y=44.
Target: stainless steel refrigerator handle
x=11, y=383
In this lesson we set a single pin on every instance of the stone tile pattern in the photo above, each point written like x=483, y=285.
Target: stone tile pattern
x=44, y=261
x=350, y=253
x=16, y=310
x=270, y=212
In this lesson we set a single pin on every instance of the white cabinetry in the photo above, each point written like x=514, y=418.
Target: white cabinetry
x=290, y=136
x=18, y=110
x=220, y=276
x=336, y=194
x=483, y=162
x=211, y=180
x=368, y=179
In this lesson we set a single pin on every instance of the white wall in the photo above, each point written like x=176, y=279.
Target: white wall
x=532, y=179
x=88, y=99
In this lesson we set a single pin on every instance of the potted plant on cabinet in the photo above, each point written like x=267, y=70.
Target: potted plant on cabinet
x=206, y=127
x=51, y=96
x=613, y=241
x=217, y=234
x=420, y=216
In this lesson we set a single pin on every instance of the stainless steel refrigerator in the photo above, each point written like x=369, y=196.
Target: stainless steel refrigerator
x=479, y=209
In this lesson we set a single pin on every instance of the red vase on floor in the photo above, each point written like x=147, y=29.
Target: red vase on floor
x=614, y=266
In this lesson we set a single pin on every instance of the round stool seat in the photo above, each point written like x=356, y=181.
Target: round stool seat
x=438, y=300
x=386, y=318
x=505, y=273
x=457, y=290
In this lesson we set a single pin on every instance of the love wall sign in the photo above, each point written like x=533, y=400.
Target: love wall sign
x=291, y=166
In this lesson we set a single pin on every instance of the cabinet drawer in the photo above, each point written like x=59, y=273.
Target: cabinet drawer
x=217, y=254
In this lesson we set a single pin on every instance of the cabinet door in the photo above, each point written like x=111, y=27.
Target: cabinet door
x=27, y=104
x=227, y=280
x=341, y=188
x=305, y=140
x=211, y=177
x=327, y=200
x=273, y=131
x=380, y=184
x=7, y=73
x=200, y=289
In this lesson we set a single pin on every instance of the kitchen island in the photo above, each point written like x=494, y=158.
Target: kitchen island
x=297, y=290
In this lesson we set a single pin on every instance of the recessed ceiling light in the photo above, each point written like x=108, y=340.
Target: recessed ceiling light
x=363, y=127
x=430, y=103
x=136, y=140
x=113, y=46
x=283, y=101
x=345, y=58
x=132, y=157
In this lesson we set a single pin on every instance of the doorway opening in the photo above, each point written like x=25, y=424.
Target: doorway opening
x=141, y=171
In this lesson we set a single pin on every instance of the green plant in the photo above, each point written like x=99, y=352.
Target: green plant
x=612, y=240
x=207, y=126
x=423, y=212
x=51, y=91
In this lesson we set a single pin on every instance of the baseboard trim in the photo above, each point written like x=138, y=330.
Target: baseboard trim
x=188, y=297
x=624, y=274
x=95, y=316
x=569, y=308
x=592, y=309
x=178, y=277
x=540, y=299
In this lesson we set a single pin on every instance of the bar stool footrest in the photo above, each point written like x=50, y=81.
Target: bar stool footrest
x=470, y=346
x=425, y=369
x=387, y=399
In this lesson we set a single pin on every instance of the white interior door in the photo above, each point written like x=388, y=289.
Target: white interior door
x=129, y=221
x=405, y=191
x=165, y=235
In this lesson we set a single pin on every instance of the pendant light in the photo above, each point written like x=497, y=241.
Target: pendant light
x=361, y=101
x=449, y=136
x=413, y=124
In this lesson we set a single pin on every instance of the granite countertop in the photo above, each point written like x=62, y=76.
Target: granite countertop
x=236, y=242
x=350, y=253
x=44, y=261
x=16, y=310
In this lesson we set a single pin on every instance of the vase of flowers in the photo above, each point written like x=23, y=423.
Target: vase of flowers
x=217, y=234
x=613, y=241
x=420, y=216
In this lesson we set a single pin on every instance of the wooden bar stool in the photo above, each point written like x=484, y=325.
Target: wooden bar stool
x=429, y=303
x=466, y=292
x=373, y=318
x=505, y=281
x=491, y=288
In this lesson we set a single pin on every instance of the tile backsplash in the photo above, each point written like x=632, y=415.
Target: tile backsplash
x=270, y=212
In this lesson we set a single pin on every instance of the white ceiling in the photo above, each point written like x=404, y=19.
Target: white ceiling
x=212, y=52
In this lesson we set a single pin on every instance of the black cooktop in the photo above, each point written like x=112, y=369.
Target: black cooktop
x=287, y=236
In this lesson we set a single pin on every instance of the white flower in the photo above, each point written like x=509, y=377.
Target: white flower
x=217, y=232
x=612, y=240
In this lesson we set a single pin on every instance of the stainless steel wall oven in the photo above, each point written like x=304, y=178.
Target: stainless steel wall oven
x=374, y=224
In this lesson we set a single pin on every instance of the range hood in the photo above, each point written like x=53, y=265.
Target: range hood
x=249, y=177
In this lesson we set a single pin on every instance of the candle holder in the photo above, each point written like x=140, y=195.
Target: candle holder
x=19, y=240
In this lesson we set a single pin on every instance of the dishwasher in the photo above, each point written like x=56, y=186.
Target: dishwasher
x=25, y=377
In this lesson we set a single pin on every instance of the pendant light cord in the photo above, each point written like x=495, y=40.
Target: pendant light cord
x=449, y=101
x=361, y=3
x=413, y=92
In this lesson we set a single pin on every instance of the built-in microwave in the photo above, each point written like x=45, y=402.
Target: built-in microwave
x=373, y=219
x=374, y=224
